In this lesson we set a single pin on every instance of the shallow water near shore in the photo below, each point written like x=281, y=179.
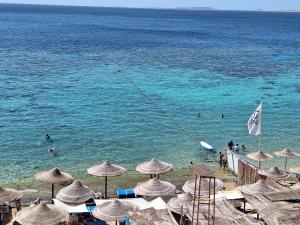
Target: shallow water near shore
x=127, y=85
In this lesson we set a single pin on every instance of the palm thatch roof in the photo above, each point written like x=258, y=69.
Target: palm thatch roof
x=226, y=214
x=274, y=211
x=152, y=217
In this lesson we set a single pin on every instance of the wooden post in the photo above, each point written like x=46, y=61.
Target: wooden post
x=105, y=190
x=52, y=191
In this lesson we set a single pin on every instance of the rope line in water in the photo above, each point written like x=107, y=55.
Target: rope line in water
x=188, y=135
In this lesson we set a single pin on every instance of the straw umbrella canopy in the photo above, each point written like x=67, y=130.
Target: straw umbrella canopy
x=296, y=186
x=153, y=167
x=41, y=214
x=75, y=193
x=106, y=169
x=175, y=204
x=189, y=186
x=296, y=170
x=154, y=188
x=113, y=210
x=54, y=176
x=257, y=188
x=274, y=173
x=259, y=156
x=286, y=153
x=9, y=195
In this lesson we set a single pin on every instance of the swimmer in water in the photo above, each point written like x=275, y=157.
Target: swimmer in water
x=51, y=149
x=47, y=136
x=222, y=115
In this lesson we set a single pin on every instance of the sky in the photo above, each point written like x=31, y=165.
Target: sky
x=217, y=4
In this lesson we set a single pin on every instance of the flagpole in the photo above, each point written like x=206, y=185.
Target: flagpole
x=259, y=162
x=260, y=124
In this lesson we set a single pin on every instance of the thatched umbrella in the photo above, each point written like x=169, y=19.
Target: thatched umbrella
x=189, y=186
x=113, y=210
x=259, y=156
x=296, y=186
x=75, y=193
x=296, y=170
x=274, y=173
x=154, y=188
x=286, y=153
x=9, y=195
x=54, y=176
x=106, y=169
x=175, y=204
x=41, y=214
x=257, y=188
x=154, y=167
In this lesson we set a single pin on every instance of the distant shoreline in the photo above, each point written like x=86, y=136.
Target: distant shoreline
x=157, y=8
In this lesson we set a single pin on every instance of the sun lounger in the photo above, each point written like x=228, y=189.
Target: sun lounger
x=90, y=208
x=125, y=193
x=127, y=221
x=96, y=223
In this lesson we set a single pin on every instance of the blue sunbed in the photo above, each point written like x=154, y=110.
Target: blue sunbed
x=96, y=223
x=90, y=208
x=125, y=193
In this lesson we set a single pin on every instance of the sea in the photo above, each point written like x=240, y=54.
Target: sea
x=127, y=85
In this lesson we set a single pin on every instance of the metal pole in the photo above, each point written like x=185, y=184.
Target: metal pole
x=259, y=162
x=105, y=190
x=259, y=142
x=214, y=203
x=200, y=178
x=52, y=191
x=194, y=199
x=209, y=183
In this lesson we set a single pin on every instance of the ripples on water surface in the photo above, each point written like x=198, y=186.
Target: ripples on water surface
x=68, y=72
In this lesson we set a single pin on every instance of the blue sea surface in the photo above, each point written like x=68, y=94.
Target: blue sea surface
x=127, y=85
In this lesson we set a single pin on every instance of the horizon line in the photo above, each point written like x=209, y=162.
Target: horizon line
x=190, y=8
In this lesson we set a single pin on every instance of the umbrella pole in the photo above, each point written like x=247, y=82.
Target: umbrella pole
x=285, y=164
x=105, y=190
x=259, y=162
x=52, y=191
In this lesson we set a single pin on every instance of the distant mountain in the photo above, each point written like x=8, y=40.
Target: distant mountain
x=195, y=8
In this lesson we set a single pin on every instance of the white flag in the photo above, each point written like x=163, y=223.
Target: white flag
x=254, y=123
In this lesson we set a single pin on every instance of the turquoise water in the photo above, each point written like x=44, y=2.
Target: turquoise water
x=126, y=85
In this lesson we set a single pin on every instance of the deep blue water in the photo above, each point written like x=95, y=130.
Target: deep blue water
x=127, y=84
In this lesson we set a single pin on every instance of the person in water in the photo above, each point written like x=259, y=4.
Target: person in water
x=237, y=148
x=51, y=149
x=47, y=136
x=222, y=115
x=243, y=148
x=230, y=144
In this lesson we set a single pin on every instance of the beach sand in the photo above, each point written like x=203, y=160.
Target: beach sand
x=34, y=189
